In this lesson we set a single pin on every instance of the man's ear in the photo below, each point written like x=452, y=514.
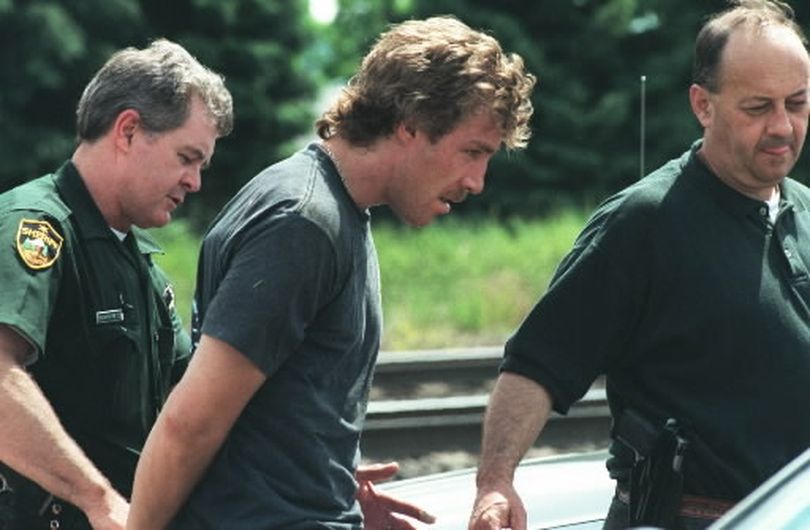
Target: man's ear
x=405, y=133
x=701, y=102
x=124, y=128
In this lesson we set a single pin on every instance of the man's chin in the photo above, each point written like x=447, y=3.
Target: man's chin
x=413, y=219
x=157, y=222
x=776, y=175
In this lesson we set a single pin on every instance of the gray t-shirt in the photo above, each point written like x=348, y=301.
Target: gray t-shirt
x=288, y=275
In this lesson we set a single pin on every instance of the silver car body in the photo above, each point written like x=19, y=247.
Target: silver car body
x=570, y=492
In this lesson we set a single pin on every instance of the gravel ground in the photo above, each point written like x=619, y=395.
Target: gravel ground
x=440, y=461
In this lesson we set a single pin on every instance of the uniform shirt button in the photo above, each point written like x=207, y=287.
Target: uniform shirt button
x=763, y=211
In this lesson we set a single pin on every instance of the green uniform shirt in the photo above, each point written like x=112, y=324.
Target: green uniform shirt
x=99, y=314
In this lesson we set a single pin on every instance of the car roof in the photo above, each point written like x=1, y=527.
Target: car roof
x=570, y=491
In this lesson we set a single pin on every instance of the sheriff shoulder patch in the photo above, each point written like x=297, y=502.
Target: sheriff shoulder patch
x=38, y=243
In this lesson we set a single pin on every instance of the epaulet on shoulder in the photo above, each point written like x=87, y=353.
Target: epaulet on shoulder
x=147, y=244
x=39, y=197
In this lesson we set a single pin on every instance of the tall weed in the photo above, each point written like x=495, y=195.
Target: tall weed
x=462, y=283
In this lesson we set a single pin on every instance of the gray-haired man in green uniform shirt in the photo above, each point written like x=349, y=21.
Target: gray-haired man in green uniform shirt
x=89, y=339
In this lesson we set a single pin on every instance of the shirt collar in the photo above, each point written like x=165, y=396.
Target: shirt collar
x=86, y=213
x=82, y=206
x=333, y=173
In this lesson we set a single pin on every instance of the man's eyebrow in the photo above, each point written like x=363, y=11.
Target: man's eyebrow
x=800, y=93
x=483, y=146
x=763, y=99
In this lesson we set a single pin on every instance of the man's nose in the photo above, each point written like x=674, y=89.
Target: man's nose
x=192, y=180
x=474, y=183
x=779, y=123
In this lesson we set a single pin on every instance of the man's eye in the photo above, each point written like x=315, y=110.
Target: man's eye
x=759, y=109
x=185, y=160
x=797, y=105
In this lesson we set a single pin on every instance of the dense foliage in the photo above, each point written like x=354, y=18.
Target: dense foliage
x=588, y=54
x=49, y=50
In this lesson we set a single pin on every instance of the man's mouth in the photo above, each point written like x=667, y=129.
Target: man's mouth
x=448, y=204
x=776, y=148
x=455, y=199
x=778, y=151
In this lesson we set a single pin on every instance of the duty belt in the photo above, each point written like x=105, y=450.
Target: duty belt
x=692, y=506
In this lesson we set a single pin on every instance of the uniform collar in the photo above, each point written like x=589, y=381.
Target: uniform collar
x=86, y=213
x=82, y=206
x=146, y=243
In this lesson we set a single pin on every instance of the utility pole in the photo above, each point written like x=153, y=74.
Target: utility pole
x=643, y=124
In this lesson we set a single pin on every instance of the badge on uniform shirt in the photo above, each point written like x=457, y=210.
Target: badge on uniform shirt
x=38, y=243
x=168, y=297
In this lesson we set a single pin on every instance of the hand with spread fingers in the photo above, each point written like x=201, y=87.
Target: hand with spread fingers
x=382, y=511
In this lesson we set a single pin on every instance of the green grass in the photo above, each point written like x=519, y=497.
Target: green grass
x=465, y=284
x=449, y=284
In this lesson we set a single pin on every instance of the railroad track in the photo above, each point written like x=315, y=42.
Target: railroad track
x=435, y=373
x=423, y=402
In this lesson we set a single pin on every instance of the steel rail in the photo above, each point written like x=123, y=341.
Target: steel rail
x=433, y=401
x=422, y=413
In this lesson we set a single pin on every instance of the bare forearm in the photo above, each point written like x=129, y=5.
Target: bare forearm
x=518, y=409
x=191, y=428
x=170, y=466
x=34, y=443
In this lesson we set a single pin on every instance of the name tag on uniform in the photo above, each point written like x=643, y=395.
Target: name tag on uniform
x=110, y=316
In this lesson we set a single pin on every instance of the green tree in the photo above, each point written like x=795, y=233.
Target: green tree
x=49, y=50
x=589, y=56
x=260, y=46
x=46, y=57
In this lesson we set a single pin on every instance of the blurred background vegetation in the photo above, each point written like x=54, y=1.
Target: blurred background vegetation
x=464, y=280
